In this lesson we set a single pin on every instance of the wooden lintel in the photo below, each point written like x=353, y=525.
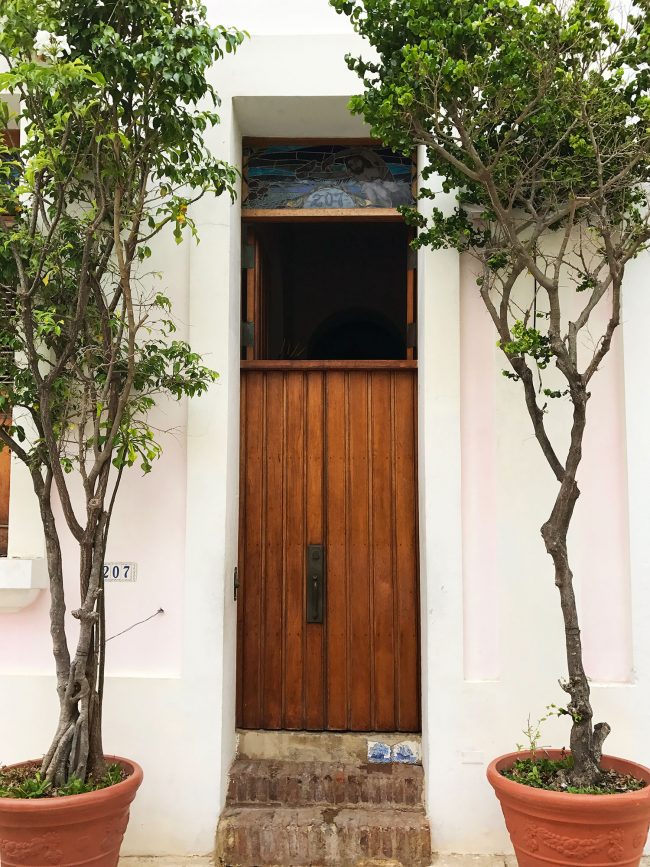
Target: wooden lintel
x=306, y=215
x=331, y=364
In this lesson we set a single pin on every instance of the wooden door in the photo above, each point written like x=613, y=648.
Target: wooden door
x=328, y=457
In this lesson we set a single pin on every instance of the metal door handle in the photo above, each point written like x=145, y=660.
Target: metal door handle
x=315, y=583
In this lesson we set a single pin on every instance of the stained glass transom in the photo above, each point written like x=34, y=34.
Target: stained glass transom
x=326, y=176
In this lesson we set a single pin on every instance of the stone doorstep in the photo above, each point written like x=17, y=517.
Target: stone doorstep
x=167, y=861
x=251, y=836
x=204, y=861
x=295, y=784
x=302, y=811
x=330, y=747
x=439, y=861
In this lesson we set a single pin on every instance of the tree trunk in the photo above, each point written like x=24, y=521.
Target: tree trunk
x=76, y=749
x=55, y=575
x=586, y=740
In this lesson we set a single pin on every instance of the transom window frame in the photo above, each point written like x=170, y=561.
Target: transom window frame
x=254, y=215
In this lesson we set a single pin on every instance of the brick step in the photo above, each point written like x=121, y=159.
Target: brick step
x=304, y=784
x=323, y=837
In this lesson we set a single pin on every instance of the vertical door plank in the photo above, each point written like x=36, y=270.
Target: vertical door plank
x=314, y=659
x=359, y=587
x=251, y=289
x=274, y=551
x=251, y=561
x=257, y=316
x=294, y=605
x=406, y=518
x=382, y=550
x=242, y=554
x=336, y=552
x=410, y=306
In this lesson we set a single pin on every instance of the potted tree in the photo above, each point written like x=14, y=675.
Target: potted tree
x=114, y=103
x=537, y=113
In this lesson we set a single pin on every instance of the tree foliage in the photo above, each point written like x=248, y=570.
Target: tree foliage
x=537, y=114
x=114, y=102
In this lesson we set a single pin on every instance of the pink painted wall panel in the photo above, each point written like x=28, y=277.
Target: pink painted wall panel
x=148, y=528
x=599, y=542
x=478, y=483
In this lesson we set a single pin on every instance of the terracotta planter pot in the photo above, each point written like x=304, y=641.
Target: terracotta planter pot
x=561, y=828
x=74, y=830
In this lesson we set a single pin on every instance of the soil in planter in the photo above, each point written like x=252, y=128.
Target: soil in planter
x=543, y=773
x=26, y=781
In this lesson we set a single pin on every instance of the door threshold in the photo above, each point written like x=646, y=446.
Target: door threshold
x=328, y=746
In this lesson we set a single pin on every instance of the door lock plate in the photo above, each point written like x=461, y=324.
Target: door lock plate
x=315, y=583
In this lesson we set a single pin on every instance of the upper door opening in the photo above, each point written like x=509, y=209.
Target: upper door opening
x=329, y=291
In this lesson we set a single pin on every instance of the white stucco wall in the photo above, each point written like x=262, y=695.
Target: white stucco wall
x=491, y=631
x=171, y=682
x=492, y=616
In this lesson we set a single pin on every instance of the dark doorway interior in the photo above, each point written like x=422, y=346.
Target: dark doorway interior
x=334, y=290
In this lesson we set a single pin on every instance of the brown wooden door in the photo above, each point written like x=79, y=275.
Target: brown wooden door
x=328, y=456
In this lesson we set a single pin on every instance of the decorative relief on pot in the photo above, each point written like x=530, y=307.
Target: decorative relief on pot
x=43, y=850
x=530, y=835
x=115, y=832
x=640, y=839
x=576, y=847
x=615, y=849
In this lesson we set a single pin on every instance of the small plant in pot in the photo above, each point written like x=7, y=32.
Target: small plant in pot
x=538, y=114
x=112, y=100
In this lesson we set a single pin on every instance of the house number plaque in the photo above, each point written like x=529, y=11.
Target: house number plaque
x=121, y=572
